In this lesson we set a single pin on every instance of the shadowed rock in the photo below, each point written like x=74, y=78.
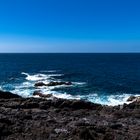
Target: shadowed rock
x=8, y=95
x=59, y=83
x=131, y=98
x=39, y=84
x=38, y=93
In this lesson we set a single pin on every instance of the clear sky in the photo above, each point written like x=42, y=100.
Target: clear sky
x=69, y=25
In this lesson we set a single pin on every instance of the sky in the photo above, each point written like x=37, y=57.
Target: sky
x=69, y=26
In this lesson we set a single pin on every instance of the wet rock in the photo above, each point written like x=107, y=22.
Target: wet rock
x=8, y=95
x=138, y=99
x=133, y=105
x=58, y=83
x=39, y=84
x=131, y=98
x=38, y=93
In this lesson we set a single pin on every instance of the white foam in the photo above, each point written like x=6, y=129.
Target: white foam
x=24, y=85
x=25, y=73
x=65, y=96
x=104, y=100
x=23, y=92
x=26, y=89
x=118, y=99
x=39, y=76
x=36, y=77
x=27, y=84
x=110, y=100
x=79, y=83
x=60, y=86
x=55, y=75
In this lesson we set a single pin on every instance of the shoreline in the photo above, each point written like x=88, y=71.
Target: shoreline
x=38, y=118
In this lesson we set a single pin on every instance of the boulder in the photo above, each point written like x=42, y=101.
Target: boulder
x=58, y=83
x=38, y=93
x=8, y=95
x=46, y=96
x=40, y=84
x=131, y=98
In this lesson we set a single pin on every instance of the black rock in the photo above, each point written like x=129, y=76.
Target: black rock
x=61, y=119
x=58, y=83
x=131, y=98
x=40, y=84
x=40, y=94
x=8, y=95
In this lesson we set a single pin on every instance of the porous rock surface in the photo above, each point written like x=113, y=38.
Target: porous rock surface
x=60, y=119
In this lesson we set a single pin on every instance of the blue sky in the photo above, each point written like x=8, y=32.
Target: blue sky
x=69, y=26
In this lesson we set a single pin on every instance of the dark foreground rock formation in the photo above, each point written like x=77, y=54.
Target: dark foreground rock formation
x=59, y=119
x=8, y=95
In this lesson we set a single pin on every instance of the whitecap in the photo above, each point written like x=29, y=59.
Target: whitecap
x=40, y=76
x=66, y=96
x=79, y=83
x=55, y=75
x=23, y=92
x=26, y=89
x=35, y=77
x=24, y=85
x=0, y=88
x=118, y=99
x=111, y=100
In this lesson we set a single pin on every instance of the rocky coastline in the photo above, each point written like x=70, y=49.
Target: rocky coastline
x=60, y=119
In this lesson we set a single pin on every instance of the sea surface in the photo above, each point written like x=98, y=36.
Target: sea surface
x=100, y=78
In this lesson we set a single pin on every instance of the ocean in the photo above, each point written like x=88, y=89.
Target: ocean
x=107, y=79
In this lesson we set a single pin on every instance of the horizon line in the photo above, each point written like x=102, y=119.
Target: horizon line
x=69, y=52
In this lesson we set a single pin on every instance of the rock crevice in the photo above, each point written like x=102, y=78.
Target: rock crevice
x=60, y=119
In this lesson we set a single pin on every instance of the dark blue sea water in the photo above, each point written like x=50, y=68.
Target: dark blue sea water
x=101, y=78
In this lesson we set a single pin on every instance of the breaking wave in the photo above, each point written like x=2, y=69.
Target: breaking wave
x=26, y=89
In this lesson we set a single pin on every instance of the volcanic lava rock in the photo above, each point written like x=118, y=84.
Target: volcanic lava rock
x=59, y=83
x=37, y=92
x=40, y=94
x=61, y=119
x=8, y=95
x=39, y=84
x=131, y=98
